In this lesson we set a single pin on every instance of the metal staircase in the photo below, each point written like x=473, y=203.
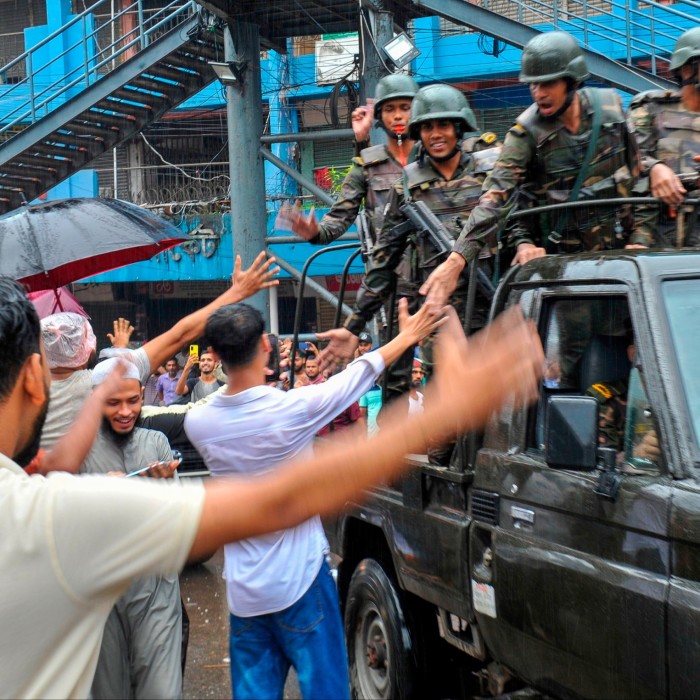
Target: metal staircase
x=116, y=91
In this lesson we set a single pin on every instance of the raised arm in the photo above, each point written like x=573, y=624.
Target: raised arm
x=181, y=387
x=245, y=283
x=71, y=450
x=472, y=381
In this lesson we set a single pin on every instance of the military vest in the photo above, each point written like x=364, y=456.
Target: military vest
x=677, y=132
x=555, y=167
x=381, y=172
x=450, y=200
x=677, y=129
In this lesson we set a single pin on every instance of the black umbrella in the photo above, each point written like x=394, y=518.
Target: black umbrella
x=46, y=246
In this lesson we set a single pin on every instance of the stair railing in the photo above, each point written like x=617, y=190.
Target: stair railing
x=35, y=100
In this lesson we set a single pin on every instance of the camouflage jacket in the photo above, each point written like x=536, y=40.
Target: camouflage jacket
x=369, y=180
x=539, y=163
x=450, y=200
x=666, y=132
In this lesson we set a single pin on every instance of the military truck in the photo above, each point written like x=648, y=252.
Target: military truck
x=537, y=559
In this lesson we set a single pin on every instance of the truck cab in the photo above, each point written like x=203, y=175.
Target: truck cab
x=554, y=552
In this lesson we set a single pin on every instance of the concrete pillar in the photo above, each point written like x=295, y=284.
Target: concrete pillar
x=382, y=24
x=247, y=170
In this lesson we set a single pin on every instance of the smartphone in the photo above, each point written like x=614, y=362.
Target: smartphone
x=273, y=364
x=177, y=457
x=194, y=350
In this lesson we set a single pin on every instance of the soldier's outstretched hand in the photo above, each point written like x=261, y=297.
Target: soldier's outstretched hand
x=292, y=218
x=442, y=281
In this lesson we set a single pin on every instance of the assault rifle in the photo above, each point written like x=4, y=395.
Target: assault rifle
x=427, y=226
x=363, y=233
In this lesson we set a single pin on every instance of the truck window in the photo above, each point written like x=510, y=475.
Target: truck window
x=641, y=438
x=586, y=349
x=682, y=302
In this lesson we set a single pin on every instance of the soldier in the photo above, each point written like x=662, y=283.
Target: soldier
x=541, y=158
x=369, y=180
x=448, y=177
x=668, y=136
x=373, y=172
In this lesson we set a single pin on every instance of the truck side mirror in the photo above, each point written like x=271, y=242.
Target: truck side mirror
x=571, y=432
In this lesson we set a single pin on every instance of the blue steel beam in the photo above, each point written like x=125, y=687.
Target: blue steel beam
x=617, y=74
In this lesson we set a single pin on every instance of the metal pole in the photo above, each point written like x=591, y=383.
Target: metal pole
x=325, y=135
x=296, y=175
x=274, y=312
x=246, y=168
x=313, y=285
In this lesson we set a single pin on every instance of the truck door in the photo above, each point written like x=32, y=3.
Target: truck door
x=569, y=587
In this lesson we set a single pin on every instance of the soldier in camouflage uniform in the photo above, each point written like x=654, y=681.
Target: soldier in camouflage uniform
x=373, y=172
x=539, y=163
x=668, y=132
x=447, y=176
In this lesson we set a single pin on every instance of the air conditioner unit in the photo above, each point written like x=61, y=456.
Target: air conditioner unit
x=335, y=59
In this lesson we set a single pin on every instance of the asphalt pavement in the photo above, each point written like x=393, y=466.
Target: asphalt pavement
x=207, y=670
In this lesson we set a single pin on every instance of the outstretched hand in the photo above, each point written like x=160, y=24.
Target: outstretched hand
x=341, y=348
x=291, y=218
x=503, y=363
x=122, y=333
x=258, y=276
x=426, y=320
x=443, y=280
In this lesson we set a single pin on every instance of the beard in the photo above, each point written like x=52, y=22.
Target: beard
x=119, y=439
x=25, y=456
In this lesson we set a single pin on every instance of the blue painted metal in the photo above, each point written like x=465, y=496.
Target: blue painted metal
x=211, y=258
x=69, y=58
x=601, y=65
x=94, y=93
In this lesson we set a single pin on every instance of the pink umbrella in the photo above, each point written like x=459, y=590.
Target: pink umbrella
x=51, y=301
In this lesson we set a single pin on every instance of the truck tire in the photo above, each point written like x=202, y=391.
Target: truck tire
x=378, y=637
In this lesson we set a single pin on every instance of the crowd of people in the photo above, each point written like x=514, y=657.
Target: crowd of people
x=88, y=576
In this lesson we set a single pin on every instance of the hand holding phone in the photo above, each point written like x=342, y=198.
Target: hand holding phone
x=177, y=457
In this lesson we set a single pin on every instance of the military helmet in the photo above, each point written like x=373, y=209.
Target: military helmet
x=687, y=47
x=440, y=102
x=393, y=87
x=550, y=56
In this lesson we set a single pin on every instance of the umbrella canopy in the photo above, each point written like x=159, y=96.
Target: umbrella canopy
x=49, y=245
x=51, y=301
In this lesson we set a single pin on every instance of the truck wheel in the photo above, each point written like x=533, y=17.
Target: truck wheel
x=378, y=638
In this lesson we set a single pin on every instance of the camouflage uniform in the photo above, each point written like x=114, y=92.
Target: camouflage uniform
x=539, y=162
x=369, y=180
x=666, y=132
x=451, y=201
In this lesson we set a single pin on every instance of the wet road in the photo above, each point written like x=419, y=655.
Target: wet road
x=207, y=670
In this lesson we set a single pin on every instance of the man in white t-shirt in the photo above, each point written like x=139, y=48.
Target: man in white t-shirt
x=283, y=602
x=71, y=546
